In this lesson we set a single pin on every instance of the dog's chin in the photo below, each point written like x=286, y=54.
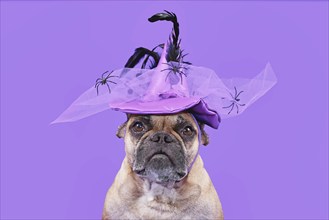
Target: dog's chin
x=160, y=169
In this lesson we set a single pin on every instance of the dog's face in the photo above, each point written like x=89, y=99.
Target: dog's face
x=161, y=148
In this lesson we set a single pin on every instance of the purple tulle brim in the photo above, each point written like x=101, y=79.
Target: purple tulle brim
x=200, y=91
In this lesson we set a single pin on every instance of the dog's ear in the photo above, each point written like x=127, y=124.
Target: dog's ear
x=204, y=135
x=122, y=128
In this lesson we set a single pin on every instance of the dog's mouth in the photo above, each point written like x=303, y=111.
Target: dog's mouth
x=161, y=156
x=161, y=169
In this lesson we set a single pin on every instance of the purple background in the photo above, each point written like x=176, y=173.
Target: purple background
x=269, y=163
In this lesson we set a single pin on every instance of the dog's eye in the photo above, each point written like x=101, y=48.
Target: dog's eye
x=138, y=127
x=188, y=131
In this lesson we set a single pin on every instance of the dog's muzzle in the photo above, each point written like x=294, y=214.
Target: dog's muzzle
x=161, y=158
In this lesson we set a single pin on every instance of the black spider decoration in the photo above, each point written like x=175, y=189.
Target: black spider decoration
x=235, y=101
x=176, y=68
x=105, y=81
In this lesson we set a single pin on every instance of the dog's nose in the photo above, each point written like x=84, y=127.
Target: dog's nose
x=161, y=137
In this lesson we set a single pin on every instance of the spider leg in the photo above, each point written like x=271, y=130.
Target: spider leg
x=231, y=108
x=112, y=82
x=104, y=73
x=184, y=70
x=165, y=69
x=97, y=84
x=183, y=73
x=235, y=92
x=167, y=76
x=97, y=80
x=237, y=109
x=231, y=95
x=238, y=94
x=97, y=88
x=109, y=75
x=229, y=105
x=241, y=104
x=108, y=87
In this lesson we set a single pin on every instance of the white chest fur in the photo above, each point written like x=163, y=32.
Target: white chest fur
x=159, y=198
x=154, y=191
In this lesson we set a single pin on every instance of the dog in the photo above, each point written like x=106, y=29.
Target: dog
x=162, y=175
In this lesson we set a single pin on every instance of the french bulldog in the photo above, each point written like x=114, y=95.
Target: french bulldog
x=162, y=175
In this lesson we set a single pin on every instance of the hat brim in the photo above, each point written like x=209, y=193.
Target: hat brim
x=195, y=106
x=163, y=106
x=208, y=97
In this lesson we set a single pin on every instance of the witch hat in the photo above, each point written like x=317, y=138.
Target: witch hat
x=170, y=85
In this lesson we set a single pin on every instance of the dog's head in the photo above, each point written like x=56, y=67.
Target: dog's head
x=162, y=148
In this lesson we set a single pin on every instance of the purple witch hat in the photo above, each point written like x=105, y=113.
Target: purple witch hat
x=169, y=86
